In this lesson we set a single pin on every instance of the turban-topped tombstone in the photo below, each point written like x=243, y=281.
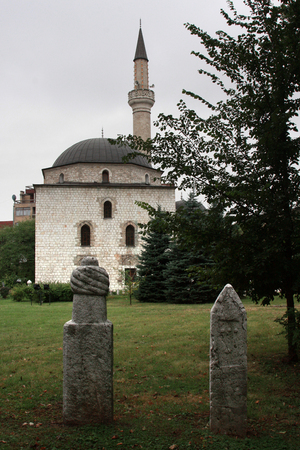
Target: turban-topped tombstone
x=88, y=349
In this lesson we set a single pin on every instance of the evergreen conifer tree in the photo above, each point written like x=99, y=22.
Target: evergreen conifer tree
x=153, y=261
x=188, y=272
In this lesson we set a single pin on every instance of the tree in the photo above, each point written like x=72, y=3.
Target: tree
x=244, y=158
x=153, y=261
x=17, y=251
x=188, y=275
x=130, y=282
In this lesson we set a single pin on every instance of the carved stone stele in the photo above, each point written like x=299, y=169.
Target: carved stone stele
x=88, y=349
x=228, y=365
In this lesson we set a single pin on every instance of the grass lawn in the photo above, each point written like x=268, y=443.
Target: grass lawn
x=161, y=397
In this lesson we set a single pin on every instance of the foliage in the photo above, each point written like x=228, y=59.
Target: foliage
x=294, y=331
x=186, y=277
x=4, y=290
x=10, y=280
x=23, y=293
x=153, y=261
x=17, y=250
x=244, y=157
x=130, y=283
x=57, y=292
x=190, y=270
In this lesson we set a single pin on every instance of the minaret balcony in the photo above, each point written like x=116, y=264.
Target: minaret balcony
x=141, y=94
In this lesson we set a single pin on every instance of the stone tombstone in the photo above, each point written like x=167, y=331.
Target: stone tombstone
x=88, y=349
x=228, y=364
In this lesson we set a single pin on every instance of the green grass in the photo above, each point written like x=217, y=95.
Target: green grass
x=161, y=396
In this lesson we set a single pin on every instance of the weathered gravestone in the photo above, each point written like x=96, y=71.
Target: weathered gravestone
x=228, y=364
x=88, y=349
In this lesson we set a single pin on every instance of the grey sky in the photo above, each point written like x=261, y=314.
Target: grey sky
x=67, y=67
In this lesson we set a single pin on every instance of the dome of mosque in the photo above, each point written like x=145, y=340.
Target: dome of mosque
x=97, y=150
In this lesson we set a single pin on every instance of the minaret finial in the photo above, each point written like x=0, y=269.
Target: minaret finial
x=102, y=133
x=140, y=23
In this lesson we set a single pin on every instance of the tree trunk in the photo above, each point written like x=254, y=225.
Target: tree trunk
x=292, y=348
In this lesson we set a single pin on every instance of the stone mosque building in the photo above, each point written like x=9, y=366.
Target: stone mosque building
x=86, y=206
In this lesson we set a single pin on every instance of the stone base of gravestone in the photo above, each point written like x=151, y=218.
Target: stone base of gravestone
x=228, y=365
x=88, y=373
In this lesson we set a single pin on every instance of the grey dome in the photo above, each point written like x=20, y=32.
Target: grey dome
x=97, y=150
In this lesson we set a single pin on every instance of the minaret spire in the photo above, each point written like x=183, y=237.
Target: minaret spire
x=141, y=99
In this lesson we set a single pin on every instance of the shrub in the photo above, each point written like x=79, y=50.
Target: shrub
x=58, y=292
x=23, y=293
x=4, y=290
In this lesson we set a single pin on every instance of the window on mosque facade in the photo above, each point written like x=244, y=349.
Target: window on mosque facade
x=130, y=236
x=107, y=210
x=105, y=176
x=85, y=236
x=147, y=180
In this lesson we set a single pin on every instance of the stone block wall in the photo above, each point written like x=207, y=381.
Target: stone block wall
x=62, y=209
x=90, y=173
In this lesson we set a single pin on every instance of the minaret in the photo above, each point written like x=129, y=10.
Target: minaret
x=141, y=99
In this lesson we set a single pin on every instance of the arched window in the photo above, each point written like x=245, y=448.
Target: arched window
x=105, y=176
x=147, y=179
x=61, y=178
x=107, y=210
x=85, y=236
x=130, y=236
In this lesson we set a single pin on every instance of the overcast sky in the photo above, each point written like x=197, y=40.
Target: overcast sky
x=67, y=67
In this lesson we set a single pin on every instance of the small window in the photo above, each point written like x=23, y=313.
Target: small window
x=130, y=236
x=85, y=236
x=61, y=178
x=107, y=210
x=147, y=179
x=105, y=176
x=23, y=211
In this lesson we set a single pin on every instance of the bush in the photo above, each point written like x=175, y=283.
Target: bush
x=23, y=293
x=4, y=290
x=58, y=292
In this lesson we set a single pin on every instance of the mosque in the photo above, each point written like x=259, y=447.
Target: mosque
x=87, y=204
